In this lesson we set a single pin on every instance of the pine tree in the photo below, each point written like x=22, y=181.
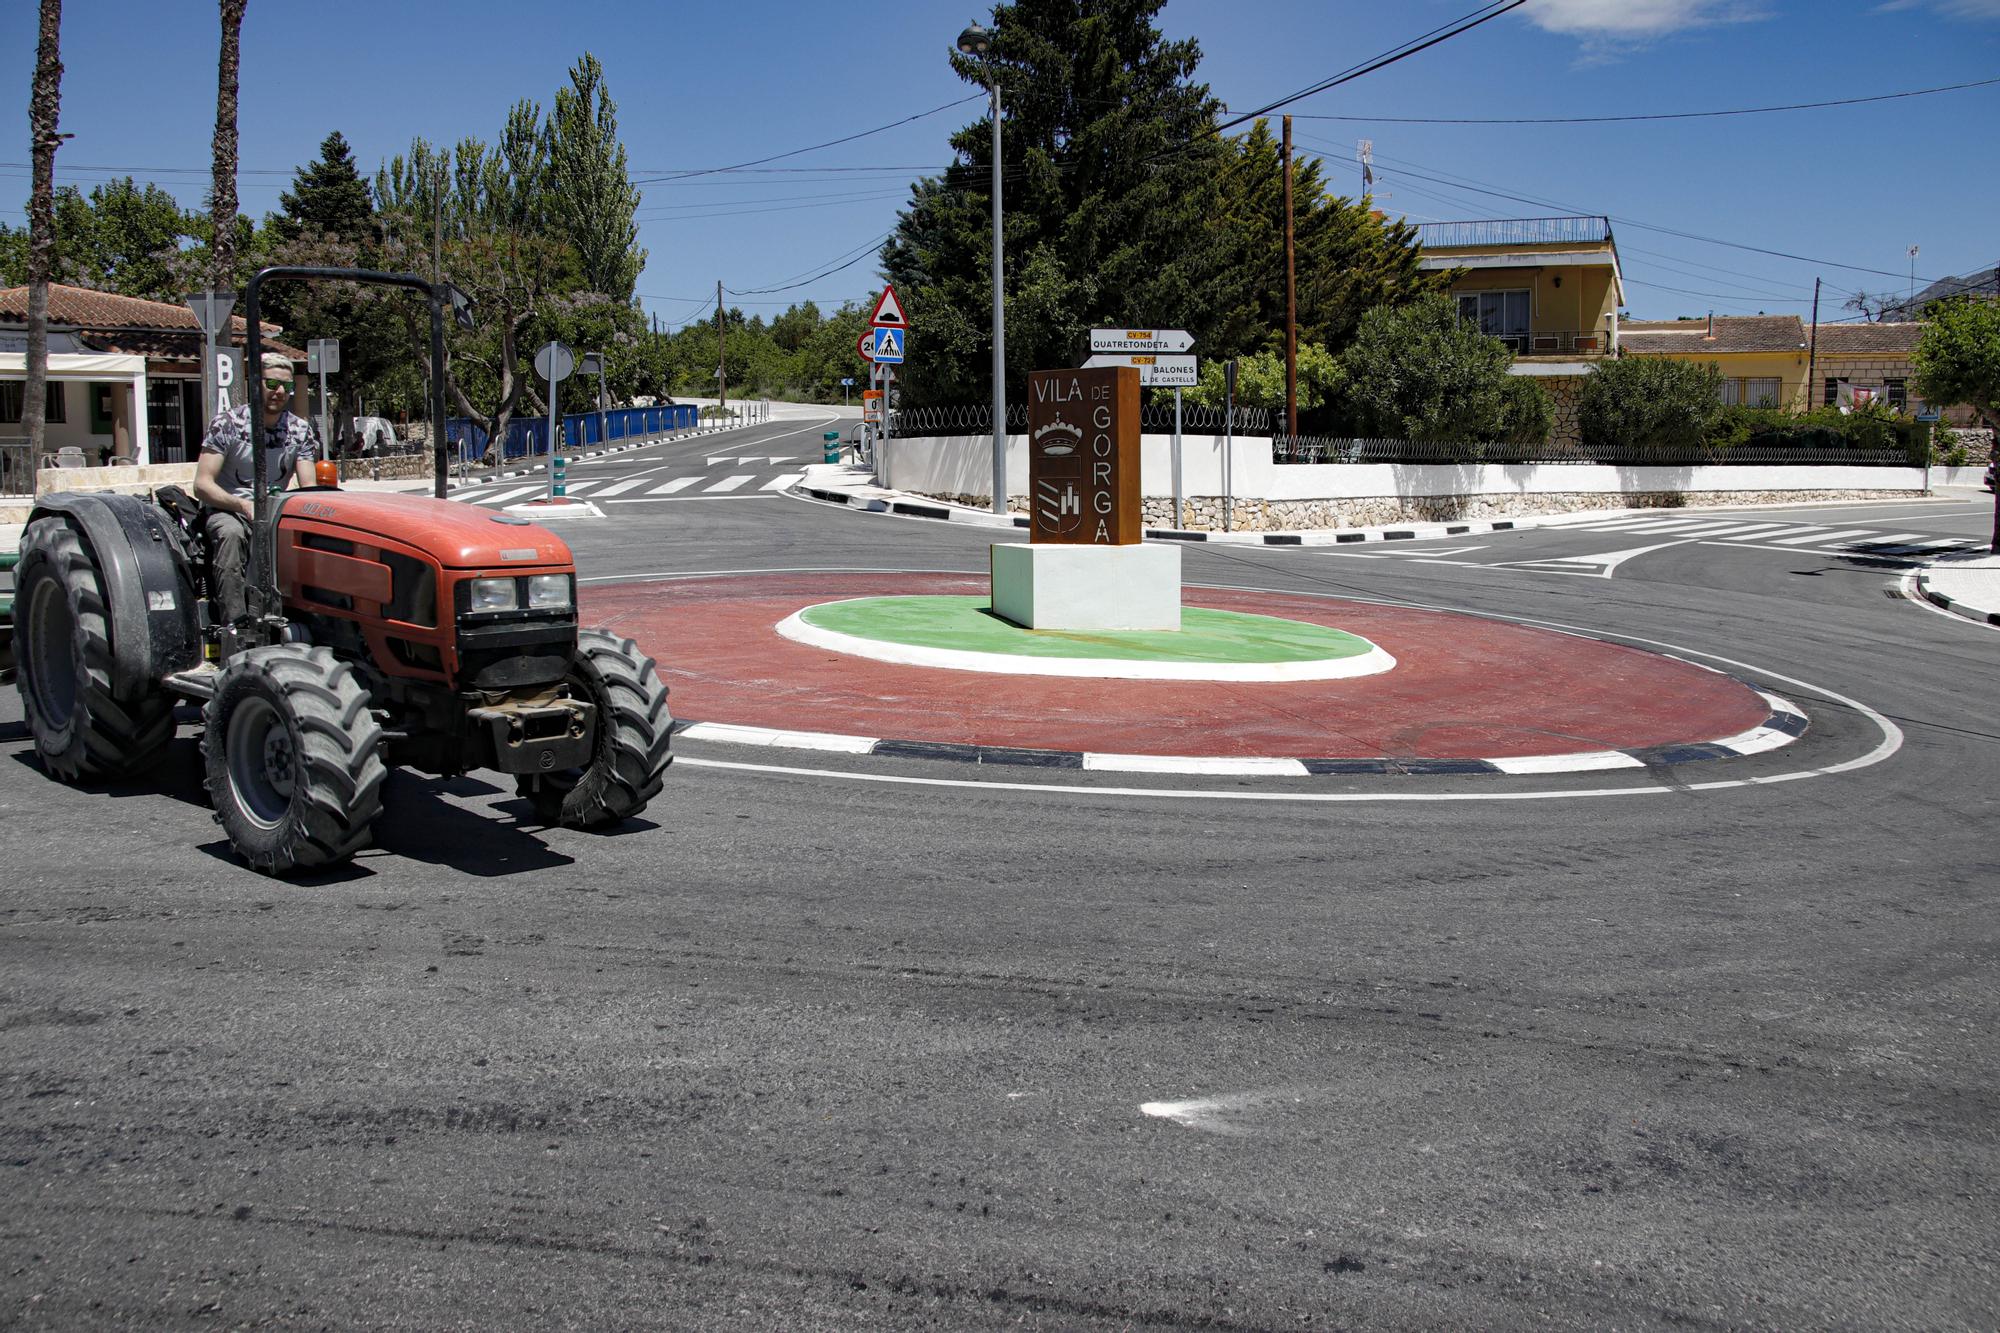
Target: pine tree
x=1110, y=164
x=328, y=197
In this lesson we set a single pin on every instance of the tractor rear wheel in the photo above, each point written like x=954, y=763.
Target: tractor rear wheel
x=629, y=754
x=293, y=758
x=62, y=647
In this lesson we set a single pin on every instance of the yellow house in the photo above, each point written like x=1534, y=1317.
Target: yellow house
x=1763, y=358
x=1550, y=288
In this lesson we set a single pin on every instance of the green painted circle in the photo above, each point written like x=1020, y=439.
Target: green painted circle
x=967, y=624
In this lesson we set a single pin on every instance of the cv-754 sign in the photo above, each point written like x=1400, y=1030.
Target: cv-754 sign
x=1140, y=340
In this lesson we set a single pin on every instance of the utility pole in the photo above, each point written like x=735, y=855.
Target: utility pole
x=1291, y=299
x=1812, y=356
x=721, y=359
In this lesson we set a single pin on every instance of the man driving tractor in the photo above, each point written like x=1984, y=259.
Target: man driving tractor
x=225, y=476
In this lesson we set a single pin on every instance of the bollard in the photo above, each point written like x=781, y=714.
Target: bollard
x=558, y=466
x=832, y=450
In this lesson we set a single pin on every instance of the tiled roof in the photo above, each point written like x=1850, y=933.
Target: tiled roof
x=1733, y=333
x=130, y=321
x=1864, y=339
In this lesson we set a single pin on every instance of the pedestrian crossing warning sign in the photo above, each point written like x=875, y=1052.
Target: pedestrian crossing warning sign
x=888, y=310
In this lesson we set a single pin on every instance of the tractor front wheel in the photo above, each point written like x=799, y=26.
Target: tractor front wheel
x=293, y=758
x=83, y=728
x=629, y=755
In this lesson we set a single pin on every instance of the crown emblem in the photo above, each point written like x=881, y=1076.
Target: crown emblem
x=1065, y=438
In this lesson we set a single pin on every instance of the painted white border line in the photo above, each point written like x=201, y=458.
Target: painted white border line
x=1215, y=767
x=795, y=627
x=732, y=734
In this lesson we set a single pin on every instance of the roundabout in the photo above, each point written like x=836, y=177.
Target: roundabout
x=864, y=663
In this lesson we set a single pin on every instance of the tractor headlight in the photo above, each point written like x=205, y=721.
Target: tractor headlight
x=548, y=591
x=494, y=595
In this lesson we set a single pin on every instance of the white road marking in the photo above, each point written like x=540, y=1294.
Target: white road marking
x=1772, y=536
x=728, y=459
x=727, y=483
x=497, y=496
x=1818, y=538
x=785, y=482
x=1892, y=539
x=571, y=488
x=791, y=740
x=619, y=488
x=677, y=484
x=1599, y=566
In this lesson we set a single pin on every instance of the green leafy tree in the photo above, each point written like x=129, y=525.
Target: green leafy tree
x=1260, y=379
x=1420, y=372
x=118, y=238
x=1957, y=361
x=590, y=197
x=1110, y=167
x=1644, y=402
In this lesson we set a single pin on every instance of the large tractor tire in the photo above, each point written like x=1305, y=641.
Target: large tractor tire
x=630, y=757
x=62, y=647
x=293, y=758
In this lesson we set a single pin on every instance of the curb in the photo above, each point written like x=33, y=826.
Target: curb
x=1978, y=615
x=946, y=513
x=1785, y=724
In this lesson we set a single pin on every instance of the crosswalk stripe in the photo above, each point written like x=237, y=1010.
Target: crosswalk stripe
x=498, y=497
x=677, y=484
x=727, y=483
x=1946, y=541
x=713, y=461
x=1891, y=539
x=622, y=487
x=1745, y=529
x=572, y=487
x=1765, y=536
x=783, y=483
x=1818, y=537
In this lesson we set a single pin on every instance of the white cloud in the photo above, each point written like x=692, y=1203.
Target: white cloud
x=1958, y=9
x=1637, y=20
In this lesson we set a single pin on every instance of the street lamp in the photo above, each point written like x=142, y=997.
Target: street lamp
x=977, y=42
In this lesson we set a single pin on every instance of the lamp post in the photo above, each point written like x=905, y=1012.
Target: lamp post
x=978, y=42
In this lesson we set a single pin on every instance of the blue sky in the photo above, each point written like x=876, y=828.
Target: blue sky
x=708, y=85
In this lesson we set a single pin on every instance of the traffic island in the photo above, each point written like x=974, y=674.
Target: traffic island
x=1466, y=694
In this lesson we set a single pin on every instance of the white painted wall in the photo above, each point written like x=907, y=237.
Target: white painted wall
x=962, y=465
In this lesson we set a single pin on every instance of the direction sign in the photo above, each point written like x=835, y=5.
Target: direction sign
x=888, y=310
x=1140, y=340
x=846, y=381
x=888, y=347
x=555, y=362
x=1155, y=372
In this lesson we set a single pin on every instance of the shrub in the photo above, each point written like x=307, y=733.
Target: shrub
x=1649, y=403
x=1526, y=411
x=1420, y=372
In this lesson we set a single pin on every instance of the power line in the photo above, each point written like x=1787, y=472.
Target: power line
x=1463, y=24
x=1658, y=115
x=862, y=253
x=778, y=157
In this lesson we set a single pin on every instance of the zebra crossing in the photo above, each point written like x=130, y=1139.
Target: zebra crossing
x=737, y=475
x=1784, y=536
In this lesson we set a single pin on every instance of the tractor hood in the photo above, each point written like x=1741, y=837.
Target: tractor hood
x=457, y=536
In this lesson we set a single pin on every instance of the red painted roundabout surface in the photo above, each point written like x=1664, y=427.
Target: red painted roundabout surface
x=1463, y=687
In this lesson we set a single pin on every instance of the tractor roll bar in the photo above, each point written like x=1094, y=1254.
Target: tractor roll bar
x=262, y=591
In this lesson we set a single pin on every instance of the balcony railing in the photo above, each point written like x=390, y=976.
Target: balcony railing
x=1515, y=231
x=1558, y=342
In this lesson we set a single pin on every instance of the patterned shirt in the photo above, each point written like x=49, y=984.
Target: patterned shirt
x=285, y=444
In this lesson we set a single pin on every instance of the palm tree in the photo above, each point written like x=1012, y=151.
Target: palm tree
x=222, y=202
x=44, y=105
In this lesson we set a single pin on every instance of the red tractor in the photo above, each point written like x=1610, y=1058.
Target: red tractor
x=384, y=630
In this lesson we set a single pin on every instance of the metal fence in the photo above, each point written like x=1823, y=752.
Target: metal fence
x=17, y=466
x=1515, y=231
x=527, y=436
x=1322, y=449
x=1156, y=417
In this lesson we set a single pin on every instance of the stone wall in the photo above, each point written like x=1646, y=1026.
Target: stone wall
x=1204, y=512
x=393, y=467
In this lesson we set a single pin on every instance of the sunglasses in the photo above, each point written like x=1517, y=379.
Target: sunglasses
x=277, y=384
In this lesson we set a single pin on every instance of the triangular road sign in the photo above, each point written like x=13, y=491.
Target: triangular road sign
x=888, y=310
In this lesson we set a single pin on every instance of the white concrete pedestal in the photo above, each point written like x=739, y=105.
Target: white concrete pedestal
x=1088, y=587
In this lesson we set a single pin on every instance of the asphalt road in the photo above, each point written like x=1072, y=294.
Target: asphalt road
x=846, y=1042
